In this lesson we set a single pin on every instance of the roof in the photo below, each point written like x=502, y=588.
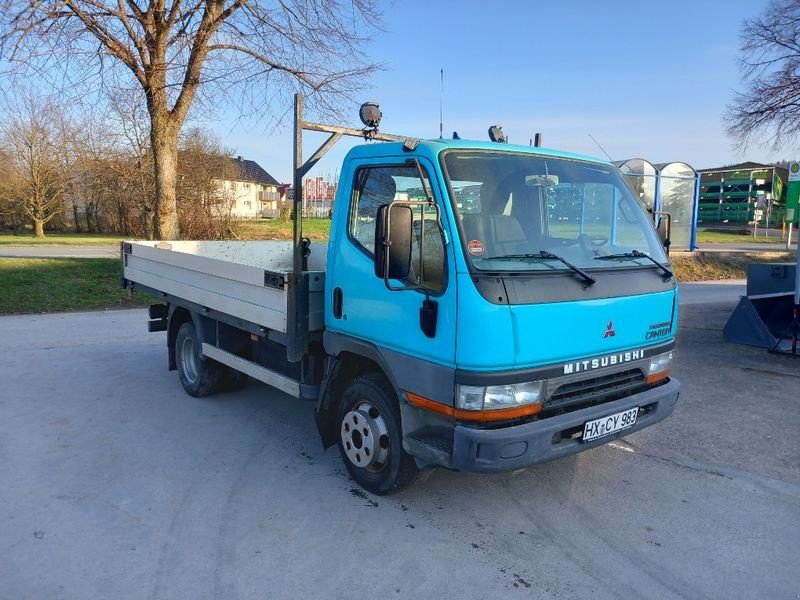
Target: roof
x=738, y=167
x=250, y=170
x=435, y=146
x=226, y=167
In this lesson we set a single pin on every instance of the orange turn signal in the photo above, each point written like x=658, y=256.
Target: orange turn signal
x=481, y=416
x=655, y=377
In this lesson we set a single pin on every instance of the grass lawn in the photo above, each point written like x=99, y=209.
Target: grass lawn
x=705, y=236
x=263, y=229
x=40, y=285
x=60, y=239
x=710, y=266
x=275, y=229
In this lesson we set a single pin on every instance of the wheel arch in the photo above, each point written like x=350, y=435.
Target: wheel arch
x=205, y=327
x=349, y=358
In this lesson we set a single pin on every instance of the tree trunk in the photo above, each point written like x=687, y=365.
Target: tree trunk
x=91, y=222
x=165, y=157
x=38, y=228
x=75, y=217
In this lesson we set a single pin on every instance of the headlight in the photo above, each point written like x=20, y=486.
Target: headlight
x=660, y=366
x=499, y=397
x=470, y=397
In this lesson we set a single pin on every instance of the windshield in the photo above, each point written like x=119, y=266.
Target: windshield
x=516, y=209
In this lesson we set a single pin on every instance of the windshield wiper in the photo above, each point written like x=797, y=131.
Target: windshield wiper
x=544, y=255
x=637, y=254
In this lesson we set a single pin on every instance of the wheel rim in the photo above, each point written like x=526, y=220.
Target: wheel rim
x=365, y=437
x=189, y=360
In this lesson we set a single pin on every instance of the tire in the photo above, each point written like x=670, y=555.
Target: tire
x=233, y=380
x=371, y=437
x=199, y=376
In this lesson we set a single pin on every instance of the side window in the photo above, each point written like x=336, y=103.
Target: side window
x=378, y=186
x=374, y=187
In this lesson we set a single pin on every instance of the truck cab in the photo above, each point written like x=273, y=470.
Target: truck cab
x=516, y=301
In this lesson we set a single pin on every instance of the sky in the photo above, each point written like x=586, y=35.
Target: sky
x=644, y=79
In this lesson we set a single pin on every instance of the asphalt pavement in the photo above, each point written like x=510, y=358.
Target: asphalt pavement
x=705, y=292
x=116, y=484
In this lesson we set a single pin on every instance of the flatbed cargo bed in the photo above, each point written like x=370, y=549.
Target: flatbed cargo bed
x=245, y=279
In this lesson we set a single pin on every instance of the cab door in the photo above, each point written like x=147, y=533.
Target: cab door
x=359, y=304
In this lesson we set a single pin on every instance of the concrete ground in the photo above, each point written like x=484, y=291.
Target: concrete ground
x=115, y=484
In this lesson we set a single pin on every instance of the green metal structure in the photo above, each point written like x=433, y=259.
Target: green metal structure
x=731, y=195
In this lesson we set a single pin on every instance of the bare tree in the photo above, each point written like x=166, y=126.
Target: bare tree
x=769, y=106
x=204, y=168
x=68, y=143
x=133, y=189
x=36, y=182
x=11, y=215
x=179, y=49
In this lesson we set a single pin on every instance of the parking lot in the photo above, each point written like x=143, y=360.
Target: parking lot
x=115, y=484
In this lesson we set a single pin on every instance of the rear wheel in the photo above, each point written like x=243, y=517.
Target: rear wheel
x=199, y=376
x=370, y=436
x=233, y=380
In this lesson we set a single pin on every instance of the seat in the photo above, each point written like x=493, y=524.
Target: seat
x=507, y=234
x=500, y=234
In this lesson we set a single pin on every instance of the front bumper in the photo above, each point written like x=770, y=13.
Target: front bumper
x=516, y=447
x=495, y=450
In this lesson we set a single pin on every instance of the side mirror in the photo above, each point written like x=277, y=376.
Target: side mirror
x=664, y=227
x=393, y=233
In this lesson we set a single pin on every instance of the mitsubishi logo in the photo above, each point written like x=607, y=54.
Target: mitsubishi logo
x=609, y=330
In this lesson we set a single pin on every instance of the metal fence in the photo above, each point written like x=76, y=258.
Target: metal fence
x=316, y=211
x=311, y=210
x=737, y=213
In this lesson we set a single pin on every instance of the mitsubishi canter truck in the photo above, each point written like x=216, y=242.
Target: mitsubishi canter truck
x=479, y=306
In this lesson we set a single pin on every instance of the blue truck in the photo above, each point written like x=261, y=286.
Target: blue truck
x=479, y=306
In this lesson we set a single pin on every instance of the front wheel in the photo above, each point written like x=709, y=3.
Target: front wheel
x=370, y=436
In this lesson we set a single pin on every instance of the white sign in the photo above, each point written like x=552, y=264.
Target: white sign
x=794, y=171
x=610, y=424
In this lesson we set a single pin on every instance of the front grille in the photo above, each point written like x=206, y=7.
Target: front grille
x=595, y=390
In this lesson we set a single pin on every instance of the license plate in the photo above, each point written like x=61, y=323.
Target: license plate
x=607, y=425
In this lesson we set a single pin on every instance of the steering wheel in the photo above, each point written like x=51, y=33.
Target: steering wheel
x=585, y=240
x=595, y=240
x=590, y=243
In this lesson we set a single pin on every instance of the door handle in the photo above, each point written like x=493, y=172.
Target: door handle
x=338, y=299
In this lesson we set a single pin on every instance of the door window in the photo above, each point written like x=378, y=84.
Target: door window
x=379, y=186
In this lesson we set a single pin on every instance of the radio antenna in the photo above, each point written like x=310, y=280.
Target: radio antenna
x=441, y=103
x=601, y=148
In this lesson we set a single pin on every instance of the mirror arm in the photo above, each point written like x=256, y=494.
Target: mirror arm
x=428, y=195
x=429, y=198
x=667, y=240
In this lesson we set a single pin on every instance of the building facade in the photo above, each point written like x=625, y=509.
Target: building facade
x=254, y=193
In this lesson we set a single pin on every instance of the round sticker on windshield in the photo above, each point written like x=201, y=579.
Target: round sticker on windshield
x=476, y=247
